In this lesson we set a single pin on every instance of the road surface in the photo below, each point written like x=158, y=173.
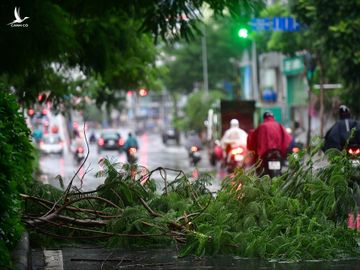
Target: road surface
x=152, y=154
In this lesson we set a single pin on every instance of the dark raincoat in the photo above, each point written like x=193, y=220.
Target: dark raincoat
x=131, y=142
x=339, y=133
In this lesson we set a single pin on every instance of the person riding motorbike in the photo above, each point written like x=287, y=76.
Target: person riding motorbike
x=267, y=136
x=193, y=139
x=131, y=142
x=233, y=137
x=193, y=146
x=37, y=134
x=216, y=153
x=338, y=134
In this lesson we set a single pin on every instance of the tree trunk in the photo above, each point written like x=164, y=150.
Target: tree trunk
x=321, y=70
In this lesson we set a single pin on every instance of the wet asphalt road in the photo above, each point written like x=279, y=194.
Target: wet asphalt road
x=92, y=258
x=152, y=154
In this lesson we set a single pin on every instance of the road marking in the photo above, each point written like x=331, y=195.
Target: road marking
x=53, y=260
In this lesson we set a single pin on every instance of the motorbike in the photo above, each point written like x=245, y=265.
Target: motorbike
x=294, y=150
x=92, y=138
x=194, y=155
x=79, y=154
x=215, y=153
x=131, y=155
x=272, y=163
x=353, y=152
x=235, y=157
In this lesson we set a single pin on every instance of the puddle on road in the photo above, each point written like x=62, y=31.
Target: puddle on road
x=105, y=259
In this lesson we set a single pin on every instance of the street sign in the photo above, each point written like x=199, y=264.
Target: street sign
x=293, y=65
x=285, y=24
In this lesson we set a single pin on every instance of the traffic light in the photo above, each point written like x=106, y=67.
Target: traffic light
x=243, y=33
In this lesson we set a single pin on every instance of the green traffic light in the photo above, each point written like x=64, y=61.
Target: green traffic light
x=243, y=33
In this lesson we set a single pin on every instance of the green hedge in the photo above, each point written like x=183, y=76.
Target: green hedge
x=16, y=168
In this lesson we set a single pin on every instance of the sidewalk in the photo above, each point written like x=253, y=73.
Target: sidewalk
x=21, y=254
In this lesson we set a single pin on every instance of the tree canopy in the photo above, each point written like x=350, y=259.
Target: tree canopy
x=112, y=39
x=334, y=27
x=185, y=63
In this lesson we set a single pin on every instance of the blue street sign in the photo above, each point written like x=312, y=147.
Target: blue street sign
x=261, y=24
x=285, y=24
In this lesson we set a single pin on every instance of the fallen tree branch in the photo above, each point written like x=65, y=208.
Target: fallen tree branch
x=83, y=222
x=67, y=207
x=103, y=233
x=65, y=194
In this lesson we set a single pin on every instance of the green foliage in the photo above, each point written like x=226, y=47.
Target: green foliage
x=113, y=40
x=285, y=42
x=196, y=110
x=122, y=187
x=310, y=39
x=301, y=215
x=224, y=47
x=104, y=44
x=334, y=27
x=15, y=173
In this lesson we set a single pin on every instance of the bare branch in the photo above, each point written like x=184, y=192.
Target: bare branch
x=47, y=203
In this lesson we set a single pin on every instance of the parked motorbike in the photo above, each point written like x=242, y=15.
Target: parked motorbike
x=79, y=154
x=272, y=163
x=235, y=157
x=131, y=155
x=194, y=155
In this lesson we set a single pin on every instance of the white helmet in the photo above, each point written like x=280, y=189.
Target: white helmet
x=234, y=123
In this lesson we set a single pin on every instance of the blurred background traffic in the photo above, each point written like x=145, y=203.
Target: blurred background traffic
x=165, y=71
x=61, y=140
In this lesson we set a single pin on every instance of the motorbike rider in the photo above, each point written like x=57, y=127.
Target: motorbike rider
x=216, y=153
x=193, y=139
x=233, y=137
x=339, y=133
x=37, y=134
x=78, y=146
x=131, y=142
x=193, y=146
x=268, y=135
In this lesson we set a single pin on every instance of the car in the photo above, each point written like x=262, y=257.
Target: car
x=110, y=140
x=51, y=144
x=170, y=133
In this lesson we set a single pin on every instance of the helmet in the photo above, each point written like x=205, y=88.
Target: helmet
x=234, y=123
x=268, y=114
x=344, y=112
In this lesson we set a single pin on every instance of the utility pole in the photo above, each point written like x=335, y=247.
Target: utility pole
x=204, y=61
x=310, y=64
x=244, y=34
x=254, y=70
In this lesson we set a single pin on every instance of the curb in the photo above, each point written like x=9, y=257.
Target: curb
x=20, y=255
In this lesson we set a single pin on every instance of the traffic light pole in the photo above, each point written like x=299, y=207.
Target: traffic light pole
x=254, y=70
x=310, y=64
x=204, y=60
